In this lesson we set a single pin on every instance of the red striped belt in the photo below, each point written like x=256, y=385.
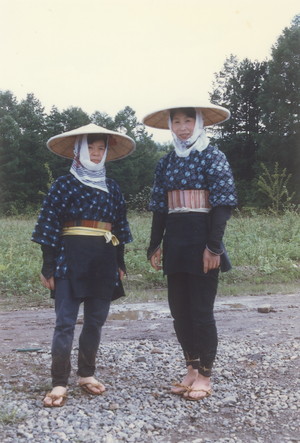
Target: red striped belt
x=189, y=199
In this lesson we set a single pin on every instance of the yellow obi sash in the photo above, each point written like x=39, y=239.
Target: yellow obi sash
x=76, y=228
x=191, y=200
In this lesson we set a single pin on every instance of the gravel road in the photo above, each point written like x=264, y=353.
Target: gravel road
x=256, y=396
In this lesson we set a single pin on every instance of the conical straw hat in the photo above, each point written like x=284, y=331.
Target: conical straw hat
x=119, y=145
x=212, y=114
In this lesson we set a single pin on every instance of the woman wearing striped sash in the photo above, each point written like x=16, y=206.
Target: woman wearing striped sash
x=192, y=198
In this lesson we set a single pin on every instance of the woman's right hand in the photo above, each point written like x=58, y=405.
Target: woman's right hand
x=210, y=261
x=155, y=260
x=47, y=282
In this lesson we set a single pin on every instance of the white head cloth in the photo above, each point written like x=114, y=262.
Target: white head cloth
x=87, y=172
x=197, y=142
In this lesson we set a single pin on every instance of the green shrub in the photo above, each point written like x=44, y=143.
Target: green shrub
x=140, y=201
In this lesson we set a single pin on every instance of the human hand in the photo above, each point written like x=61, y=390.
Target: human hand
x=48, y=282
x=121, y=274
x=210, y=261
x=155, y=260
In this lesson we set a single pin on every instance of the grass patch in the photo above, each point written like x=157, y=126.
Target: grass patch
x=264, y=251
x=10, y=416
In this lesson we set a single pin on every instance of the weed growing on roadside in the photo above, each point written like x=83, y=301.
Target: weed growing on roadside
x=10, y=416
x=274, y=185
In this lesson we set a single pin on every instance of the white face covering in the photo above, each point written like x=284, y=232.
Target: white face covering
x=197, y=142
x=87, y=172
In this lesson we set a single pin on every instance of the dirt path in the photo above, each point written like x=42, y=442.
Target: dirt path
x=237, y=316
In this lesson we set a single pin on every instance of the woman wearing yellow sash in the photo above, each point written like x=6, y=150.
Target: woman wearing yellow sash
x=82, y=229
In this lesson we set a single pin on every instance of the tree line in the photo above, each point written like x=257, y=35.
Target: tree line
x=261, y=135
x=27, y=168
x=264, y=128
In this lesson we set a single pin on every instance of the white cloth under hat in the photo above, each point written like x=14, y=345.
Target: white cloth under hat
x=197, y=142
x=87, y=172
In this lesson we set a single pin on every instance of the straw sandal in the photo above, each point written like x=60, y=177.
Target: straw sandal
x=55, y=397
x=179, y=385
x=86, y=386
x=207, y=392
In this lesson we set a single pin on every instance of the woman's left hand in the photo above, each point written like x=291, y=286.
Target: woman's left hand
x=121, y=274
x=155, y=260
x=48, y=283
x=210, y=261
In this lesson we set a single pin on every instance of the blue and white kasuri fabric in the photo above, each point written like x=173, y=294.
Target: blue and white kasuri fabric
x=69, y=199
x=208, y=170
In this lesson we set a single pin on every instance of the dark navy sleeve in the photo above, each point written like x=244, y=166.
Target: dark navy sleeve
x=159, y=196
x=121, y=227
x=219, y=216
x=48, y=227
x=220, y=180
x=157, y=231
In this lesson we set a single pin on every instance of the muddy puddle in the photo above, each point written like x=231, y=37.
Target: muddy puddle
x=150, y=314
x=144, y=312
x=132, y=315
x=235, y=305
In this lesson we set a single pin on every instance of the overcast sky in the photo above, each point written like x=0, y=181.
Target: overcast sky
x=106, y=54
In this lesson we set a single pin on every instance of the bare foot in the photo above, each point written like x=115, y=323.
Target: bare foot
x=91, y=385
x=187, y=381
x=200, y=388
x=56, y=397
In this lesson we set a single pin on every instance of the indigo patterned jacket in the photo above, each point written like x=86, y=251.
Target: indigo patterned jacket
x=208, y=170
x=69, y=199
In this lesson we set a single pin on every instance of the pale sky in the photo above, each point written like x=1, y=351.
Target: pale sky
x=106, y=54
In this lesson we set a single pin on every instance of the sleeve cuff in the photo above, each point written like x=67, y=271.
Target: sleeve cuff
x=215, y=251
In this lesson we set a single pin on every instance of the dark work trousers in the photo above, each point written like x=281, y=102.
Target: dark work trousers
x=191, y=300
x=66, y=308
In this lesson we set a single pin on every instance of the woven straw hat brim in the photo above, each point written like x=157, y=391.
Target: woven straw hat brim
x=212, y=114
x=119, y=145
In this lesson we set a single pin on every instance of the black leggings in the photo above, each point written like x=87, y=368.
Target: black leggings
x=191, y=300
